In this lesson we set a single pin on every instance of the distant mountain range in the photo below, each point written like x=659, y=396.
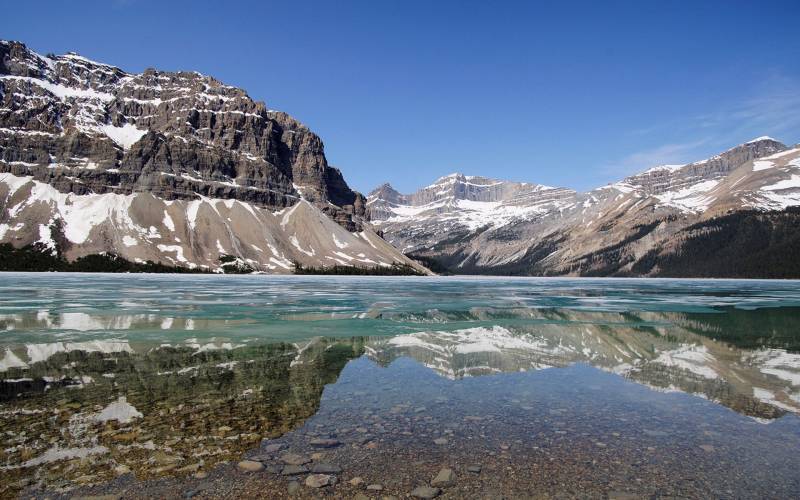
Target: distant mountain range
x=177, y=169
x=732, y=215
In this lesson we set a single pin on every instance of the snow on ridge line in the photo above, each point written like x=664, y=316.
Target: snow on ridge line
x=762, y=138
x=78, y=57
x=61, y=91
x=663, y=168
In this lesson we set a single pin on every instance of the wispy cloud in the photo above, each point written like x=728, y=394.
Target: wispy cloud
x=772, y=109
x=678, y=153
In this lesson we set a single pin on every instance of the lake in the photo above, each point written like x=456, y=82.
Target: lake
x=160, y=385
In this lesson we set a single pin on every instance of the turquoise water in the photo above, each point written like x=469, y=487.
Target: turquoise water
x=670, y=377
x=78, y=307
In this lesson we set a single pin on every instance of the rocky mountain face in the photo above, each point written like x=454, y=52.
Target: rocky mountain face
x=730, y=215
x=174, y=167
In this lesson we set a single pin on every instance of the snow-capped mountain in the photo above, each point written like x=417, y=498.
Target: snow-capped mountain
x=652, y=223
x=457, y=203
x=176, y=168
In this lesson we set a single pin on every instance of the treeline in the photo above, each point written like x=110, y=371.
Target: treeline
x=39, y=258
x=396, y=269
x=747, y=244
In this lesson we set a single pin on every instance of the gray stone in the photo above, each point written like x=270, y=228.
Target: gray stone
x=440, y=441
x=294, y=470
x=444, y=479
x=294, y=459
x=319, y=480
x=323, y=468
x=273, y=468
x=624, y=495
x=375, y=487
x=425, y=492
x=273, y=447
x=293, y=487
x=474, y=469
x=324, y=443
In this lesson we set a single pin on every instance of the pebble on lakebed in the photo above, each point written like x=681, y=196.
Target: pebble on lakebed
x=320, y=480
x=445, y=478
x=250, y=466
x=294, y=459
x=425, y=492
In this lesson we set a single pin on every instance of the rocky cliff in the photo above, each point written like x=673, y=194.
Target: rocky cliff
x=171, y=167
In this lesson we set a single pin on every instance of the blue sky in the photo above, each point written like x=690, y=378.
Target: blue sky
x=574, y=94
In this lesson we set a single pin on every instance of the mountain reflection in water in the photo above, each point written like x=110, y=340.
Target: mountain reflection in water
x=115, y=395
x=155, y=410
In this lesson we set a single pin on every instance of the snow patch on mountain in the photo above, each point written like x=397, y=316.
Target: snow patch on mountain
x=125, y=136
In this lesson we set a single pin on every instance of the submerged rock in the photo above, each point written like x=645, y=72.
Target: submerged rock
x=250, y=466
x=445, y=478
x=324, y=443
x=294, y=459
x=294, y=470
x=320, y=480
x=425, y=492
x=293, y=488
x=323, y=468
x=273, y=448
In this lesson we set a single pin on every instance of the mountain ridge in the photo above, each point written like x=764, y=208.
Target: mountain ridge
x=604, y=231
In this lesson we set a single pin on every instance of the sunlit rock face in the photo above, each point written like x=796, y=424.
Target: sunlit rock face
x=81, y=413
x=670, y=220
x=664, y=351
x=175, y=168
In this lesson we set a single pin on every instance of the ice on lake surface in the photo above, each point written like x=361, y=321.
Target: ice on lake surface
x=551, y=387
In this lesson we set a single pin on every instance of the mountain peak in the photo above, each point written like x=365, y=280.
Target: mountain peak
x=762, y=138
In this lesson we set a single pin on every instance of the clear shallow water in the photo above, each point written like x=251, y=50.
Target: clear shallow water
x=674, y=379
